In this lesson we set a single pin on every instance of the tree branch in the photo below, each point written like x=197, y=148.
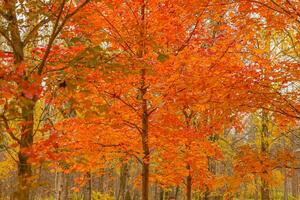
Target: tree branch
x=56, y=30
x=34, y=31
x=8, y=129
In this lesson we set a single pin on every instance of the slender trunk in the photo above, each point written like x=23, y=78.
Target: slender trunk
x=256, y=194
x=188, y=117
x=88, y=190
x=177, y=192
x=189, y=185
x=109, y=182
x=285, y=192
x=167, y=195
x=123, y=180
x=156, y=192
x=127, y=196
x=67, y=185
x=136, y=195
x=101, y=183
x=295, y=176
x=265, y=191
x=58, y=185
x=146, y=159
x=295, y=184
x=161, y=194
x=145, y=121
x=145, y=181
x=206, y=194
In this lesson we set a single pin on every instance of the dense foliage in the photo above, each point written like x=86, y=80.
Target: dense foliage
x=149, y=99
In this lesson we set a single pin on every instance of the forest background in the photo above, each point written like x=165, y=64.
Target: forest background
x=149, y=99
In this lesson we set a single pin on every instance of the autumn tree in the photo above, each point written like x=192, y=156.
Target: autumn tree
x=158, y=82
x=24, y=27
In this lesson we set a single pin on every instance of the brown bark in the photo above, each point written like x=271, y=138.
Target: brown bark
x=177, y=192
x=145, y=120
x=15, y=39
x=295, y=184
x=206, y=194
x=88, y=189
x=145, y=164
x=67, y=186
x=155, y=191
x=123, y=181
x=161, y=194
x=26, y=141
x=265, y=190
x=285, y=190
x=101, y=183
x=285, y=187
x=58, y=185
x=24, y=170
x=189, y=185
x=295, y=176
x=27, y=106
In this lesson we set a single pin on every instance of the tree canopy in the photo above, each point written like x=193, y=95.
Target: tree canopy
x=149, y=99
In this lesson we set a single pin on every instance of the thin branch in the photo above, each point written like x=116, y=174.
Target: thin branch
x=122, y=100
x=8, y=129
x=34, y=31
x=117, y=32
x=56, y=30
x=133, y=125
x=186, y=42
x=10, y=154
x=223, y=54
x=152, y=110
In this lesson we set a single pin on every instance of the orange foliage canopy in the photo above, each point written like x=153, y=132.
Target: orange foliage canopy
x=191, y=66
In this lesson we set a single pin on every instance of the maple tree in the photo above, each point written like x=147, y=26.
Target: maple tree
x=22, y=73
x=157, y=85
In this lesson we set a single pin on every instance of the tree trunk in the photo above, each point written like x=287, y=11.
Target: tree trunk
x=285, y=186
x=295, y=184
x=177, y=192
x=88, y=189
x=206, y=194
x=58, y=185
x=145, y=181
x=67, y=186
x=155, y=192
x=26, y=140
x=123, y=180
x=161, y=194
x=265, y=191
x=189, y=185
x=285, y=191
x=295, y=176
x=24, y=173
x=101, y=183
x=256, y=194
x=145, y=121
